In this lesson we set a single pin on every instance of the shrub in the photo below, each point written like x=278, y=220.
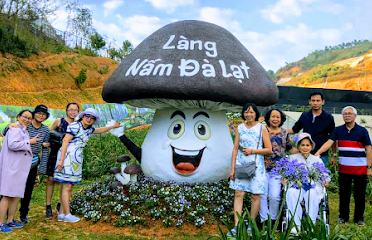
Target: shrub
x=104, y=70
x=81, y=78
x=102, y=150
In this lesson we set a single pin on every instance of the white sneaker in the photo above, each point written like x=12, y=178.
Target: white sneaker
x=294, y=231
x=71, y=218
x=61, y=217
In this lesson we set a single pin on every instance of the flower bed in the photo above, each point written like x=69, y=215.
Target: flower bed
x=148, y=200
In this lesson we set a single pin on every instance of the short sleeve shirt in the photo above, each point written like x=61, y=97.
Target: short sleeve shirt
x=351, y=146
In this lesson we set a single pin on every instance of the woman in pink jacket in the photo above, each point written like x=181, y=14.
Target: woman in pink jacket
x=15, y=163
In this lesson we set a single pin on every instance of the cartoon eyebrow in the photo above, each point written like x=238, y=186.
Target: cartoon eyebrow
x=178, y=113
x=201, y=113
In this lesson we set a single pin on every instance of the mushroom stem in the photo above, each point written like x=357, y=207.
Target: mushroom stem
x=133, y=177
x=121, y=179
x=125, y=175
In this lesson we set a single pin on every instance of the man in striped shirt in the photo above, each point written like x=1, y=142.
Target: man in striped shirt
x=354, y=147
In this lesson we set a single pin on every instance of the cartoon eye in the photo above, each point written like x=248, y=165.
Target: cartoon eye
x=202, y=130
x=176, y=129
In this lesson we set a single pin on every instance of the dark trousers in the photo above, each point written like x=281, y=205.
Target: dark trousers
x=360, y=184
x=25, y=201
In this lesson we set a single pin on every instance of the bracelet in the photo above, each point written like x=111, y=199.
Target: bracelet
x=251, y=151
x=335, y=154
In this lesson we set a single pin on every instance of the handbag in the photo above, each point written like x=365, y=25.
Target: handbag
x=55, y=138
x=248, y=171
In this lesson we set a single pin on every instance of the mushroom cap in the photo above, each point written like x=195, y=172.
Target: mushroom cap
x=123, y=158
x=132, y=169
x=115, y=170
x=239, y=78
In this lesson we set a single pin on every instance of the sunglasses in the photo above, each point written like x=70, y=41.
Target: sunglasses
x=90, y=116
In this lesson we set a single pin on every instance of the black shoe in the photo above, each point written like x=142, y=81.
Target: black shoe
x=278, y=228
x=58, y=207
x=49, y=212
x=260, y=224
x=24, y=219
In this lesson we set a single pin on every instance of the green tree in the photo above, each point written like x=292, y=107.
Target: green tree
x=123, y=52
x=97, y=41
x=79, y=19
x=16, y=12
x=127, y=49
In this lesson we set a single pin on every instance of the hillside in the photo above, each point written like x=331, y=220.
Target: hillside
x=50, y=79
x=344, y=66
x=353, y=74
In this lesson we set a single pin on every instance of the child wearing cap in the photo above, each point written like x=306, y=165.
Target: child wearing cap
x=311, y=196
x=70, y=158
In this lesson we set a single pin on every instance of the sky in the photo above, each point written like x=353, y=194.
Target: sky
x=274, y=31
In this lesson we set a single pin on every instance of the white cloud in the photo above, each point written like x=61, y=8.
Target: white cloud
x=135, y=28
x=60, y=20
x=220, y=17
x=331, y=7
x=138, y=27
x=109, y=29
x=283, y=8
x=275, y=48
x=170, y=5
x=110, y=6
x=302, y=35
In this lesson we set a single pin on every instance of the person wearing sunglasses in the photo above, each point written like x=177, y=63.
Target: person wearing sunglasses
x=59, y=125
x=36, y=128
x=68, y=170
x=15, y=163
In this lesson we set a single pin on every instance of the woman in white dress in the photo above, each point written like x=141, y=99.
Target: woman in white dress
x=252, y=142
x=70, y=159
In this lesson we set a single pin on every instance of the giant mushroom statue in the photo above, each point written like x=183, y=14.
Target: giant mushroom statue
x=191, y=72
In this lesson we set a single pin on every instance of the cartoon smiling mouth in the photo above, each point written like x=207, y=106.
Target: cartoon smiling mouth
x=186, y=161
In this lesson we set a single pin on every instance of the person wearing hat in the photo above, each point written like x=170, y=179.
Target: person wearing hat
x=354, y=147
x=312, y=195
x=41, y=132
x=60, y=126
x=70, y=158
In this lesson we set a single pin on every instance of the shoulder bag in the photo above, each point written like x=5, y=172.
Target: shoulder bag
x=248, y=171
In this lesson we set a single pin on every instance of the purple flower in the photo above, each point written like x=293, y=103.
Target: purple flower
x=318, y=173
x=292, y=170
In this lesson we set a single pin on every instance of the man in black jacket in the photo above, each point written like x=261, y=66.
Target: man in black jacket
x=319, y=124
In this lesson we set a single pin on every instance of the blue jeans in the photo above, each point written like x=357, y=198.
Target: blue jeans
x=325, y=160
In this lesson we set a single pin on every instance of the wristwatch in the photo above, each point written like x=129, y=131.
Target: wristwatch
x=369, y=166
